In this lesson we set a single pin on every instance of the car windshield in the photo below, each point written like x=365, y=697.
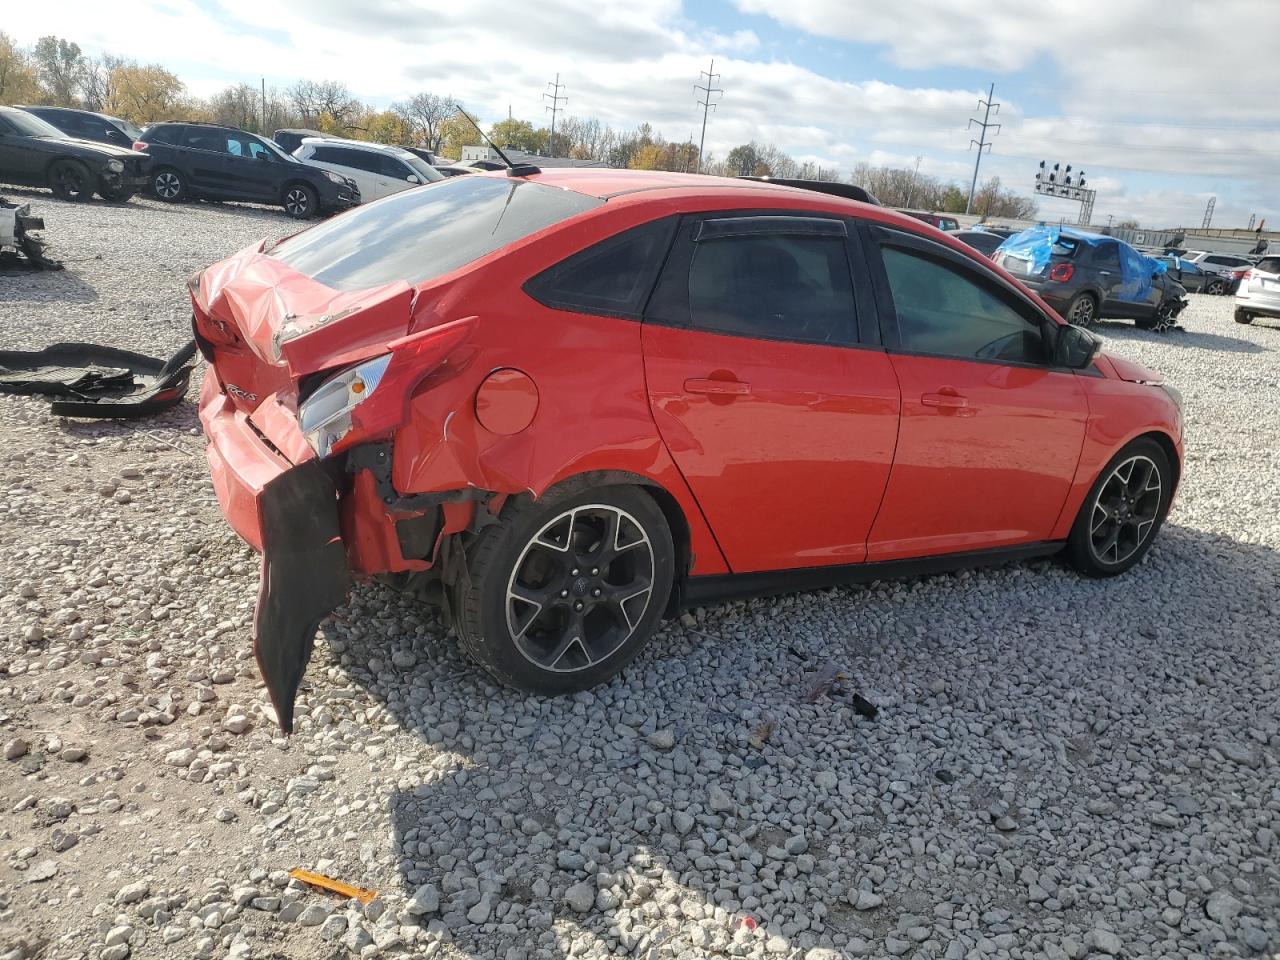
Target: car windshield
x=129, y=129
x=277, y=151
x=32, y=126
x=416, y=235
x=424, y=170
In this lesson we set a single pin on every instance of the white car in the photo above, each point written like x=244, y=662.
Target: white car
x=1259, y=293
x=379, y=170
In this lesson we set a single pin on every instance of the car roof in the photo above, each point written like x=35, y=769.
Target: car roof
x=607, y=183
x=90, y=113
x=359, y=144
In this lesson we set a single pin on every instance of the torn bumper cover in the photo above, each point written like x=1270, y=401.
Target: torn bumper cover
x=16, y=226
x=304, y=577
x=89, y=380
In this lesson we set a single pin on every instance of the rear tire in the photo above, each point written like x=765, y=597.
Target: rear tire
x=169, y=185
x=300, y=201
x=1216, y=287
x=1243, y=316
x=71, y=180
x=545, y=604
x=1082, y=310
x=1123, y=512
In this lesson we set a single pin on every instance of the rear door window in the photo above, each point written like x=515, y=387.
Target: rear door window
x=415, y=235
x=1106, y=256
x=767, y=277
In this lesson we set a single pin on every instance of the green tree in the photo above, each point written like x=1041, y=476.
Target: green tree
x=60, y=66
x=515, y=133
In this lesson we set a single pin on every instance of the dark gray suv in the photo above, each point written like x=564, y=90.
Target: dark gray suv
x=1087, y=277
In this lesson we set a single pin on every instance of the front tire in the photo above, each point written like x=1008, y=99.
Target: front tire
x=169, y=185
x=71, y=180
x=1082, y=310
x=565, y=591
x=1243, y=316
x=1123, y=512
x=300, y=201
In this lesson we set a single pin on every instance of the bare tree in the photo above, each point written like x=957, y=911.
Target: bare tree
x=325, y=103
x=98, y=80
x=424, y=114
x=237, y=106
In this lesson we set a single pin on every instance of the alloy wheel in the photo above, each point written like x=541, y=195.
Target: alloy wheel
x=1125, y=510
x=1215, y=287
x=1082, y=313
x=168, y=185
x=580, y=587
x=296, y=202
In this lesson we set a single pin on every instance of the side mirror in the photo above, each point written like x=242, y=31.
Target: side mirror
x=413, y=178
x=1076, y=348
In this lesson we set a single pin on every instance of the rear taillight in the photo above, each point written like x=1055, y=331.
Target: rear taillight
x=1248, y=275
x=1062, y=272
x=140, y=145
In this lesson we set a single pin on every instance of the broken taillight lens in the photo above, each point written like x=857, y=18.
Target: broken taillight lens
x=1062, y=272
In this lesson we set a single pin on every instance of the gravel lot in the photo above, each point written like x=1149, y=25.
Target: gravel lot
x=1059, y=768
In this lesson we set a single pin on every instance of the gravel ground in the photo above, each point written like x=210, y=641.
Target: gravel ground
x=1059, y=768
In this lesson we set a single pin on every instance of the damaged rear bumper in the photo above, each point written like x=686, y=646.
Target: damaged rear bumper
x=317, y=524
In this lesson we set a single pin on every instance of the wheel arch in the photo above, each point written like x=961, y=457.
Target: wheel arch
x=1170, y=449
x=299, y=182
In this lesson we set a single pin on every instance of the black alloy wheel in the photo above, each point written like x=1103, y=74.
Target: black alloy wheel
x=580, y=587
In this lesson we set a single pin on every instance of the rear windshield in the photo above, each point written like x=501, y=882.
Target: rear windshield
x=1269, y=265
x=419, y=234
x=1065, y=247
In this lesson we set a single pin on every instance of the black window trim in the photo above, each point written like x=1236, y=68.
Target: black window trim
x=635, y=311
x=787, y=225
x=865, y=330
x=879, y=236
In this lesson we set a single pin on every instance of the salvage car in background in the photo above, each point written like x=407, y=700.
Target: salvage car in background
x=942, y=221
x=1185, y=272
x=1226, y=270
x=984, y=241
x=35, y=153
x=208, y=160
x=781, y=389
x=377, y=169
x=1089, y=276
x=1259, y=291
x=88, y=125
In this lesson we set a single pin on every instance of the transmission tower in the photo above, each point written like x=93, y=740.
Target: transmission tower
x=1208, y=213
x=708, y=89
x=554, y=107
x=982, y=142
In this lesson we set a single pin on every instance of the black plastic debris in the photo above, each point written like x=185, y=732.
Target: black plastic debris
x=88, y=380
x=16, y=226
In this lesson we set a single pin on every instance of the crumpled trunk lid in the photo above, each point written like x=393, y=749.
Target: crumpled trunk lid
x=267, y=325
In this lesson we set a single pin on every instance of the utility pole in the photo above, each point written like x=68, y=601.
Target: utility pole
x=555, y=97
x=982, y=142
x=263, y=131
x=707, y=105
x=911, y=190
x=1208, y=213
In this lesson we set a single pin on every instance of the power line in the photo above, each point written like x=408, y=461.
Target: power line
x=555, y=97
x=707, y=105
x=982, y=141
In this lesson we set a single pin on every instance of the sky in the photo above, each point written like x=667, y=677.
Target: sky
x=1162, y=104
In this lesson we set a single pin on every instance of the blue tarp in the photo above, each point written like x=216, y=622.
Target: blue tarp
x=1039, y=244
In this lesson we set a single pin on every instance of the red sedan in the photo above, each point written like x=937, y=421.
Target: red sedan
x=569, y=402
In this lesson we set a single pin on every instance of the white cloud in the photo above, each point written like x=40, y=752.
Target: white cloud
x=627, y=61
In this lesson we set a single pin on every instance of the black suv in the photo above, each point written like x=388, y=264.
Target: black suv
x=88, y=125
x=222, y=163
x=35, y=154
